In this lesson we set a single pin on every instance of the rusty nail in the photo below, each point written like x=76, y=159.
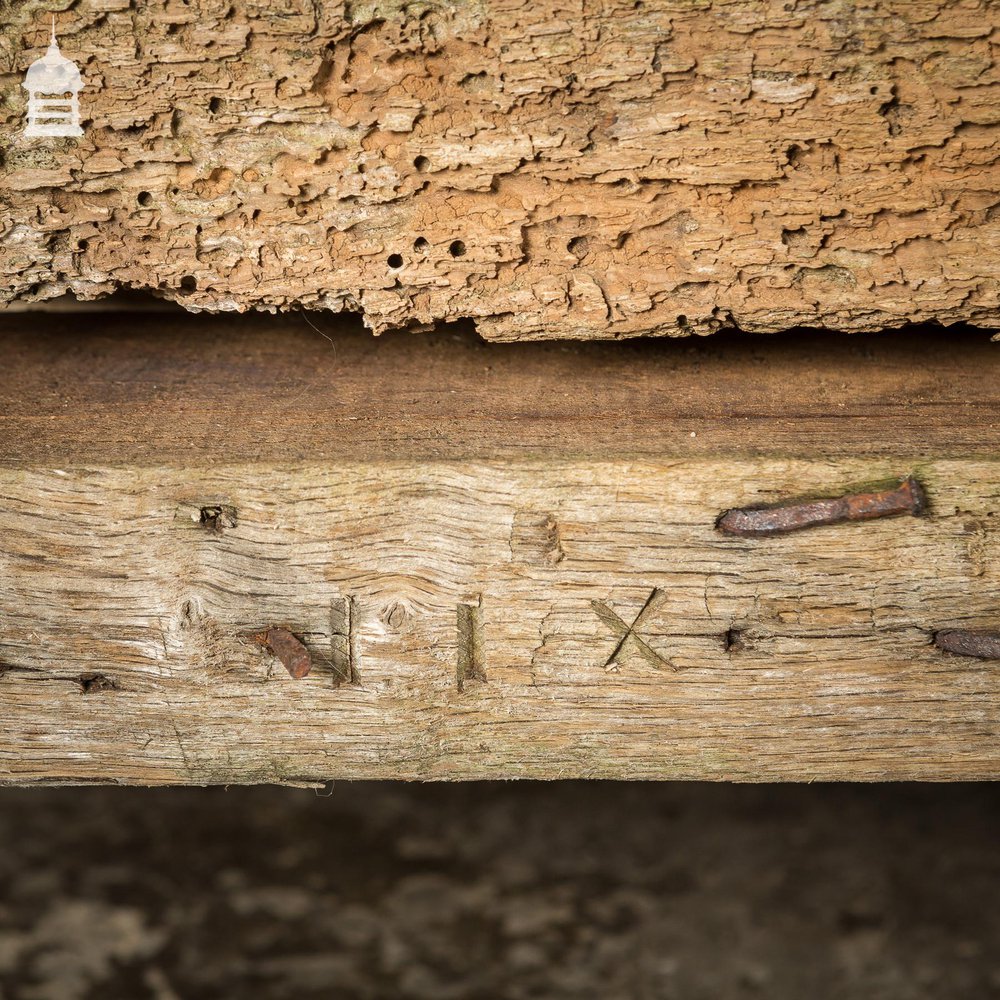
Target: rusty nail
x=985, y=645
x=294, y=656
x=758, y=522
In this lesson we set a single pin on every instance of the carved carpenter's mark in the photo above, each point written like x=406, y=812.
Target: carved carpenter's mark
x=628, y=633
x=288, y=649
x=758, y=522
x=535, y=539
x=977, y=537
x=470, y=663
x=983, y=645
x=343, y=643
x=95, y=683
x=216, y=518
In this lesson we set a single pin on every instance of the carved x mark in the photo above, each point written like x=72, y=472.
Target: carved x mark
x=616, y=623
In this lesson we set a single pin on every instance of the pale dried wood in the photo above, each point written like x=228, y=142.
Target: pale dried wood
x=464, y=535
x=547, y=169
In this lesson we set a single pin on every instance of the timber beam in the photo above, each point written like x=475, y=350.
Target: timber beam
x=499, y=561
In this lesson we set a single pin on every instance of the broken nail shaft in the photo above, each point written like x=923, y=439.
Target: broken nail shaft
x=985, y=645
x=757, y=522
x=293, y=655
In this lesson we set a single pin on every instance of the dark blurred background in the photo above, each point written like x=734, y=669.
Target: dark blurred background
x=501, y=890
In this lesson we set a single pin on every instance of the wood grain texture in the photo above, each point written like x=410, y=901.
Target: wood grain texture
x=538, y=590
x=547, y=169
x=141, y=390
x=128, y=652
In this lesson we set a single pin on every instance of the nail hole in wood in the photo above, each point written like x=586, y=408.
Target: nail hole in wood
x=216, y=518
x=95, y=683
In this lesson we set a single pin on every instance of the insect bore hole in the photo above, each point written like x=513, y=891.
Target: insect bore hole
x=457, y=249
x=395, y=261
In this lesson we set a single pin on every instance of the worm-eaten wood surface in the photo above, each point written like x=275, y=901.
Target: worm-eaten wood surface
x=548, y=169
x=503, y=562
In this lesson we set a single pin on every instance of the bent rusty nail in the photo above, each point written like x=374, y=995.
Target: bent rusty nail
x=290, y=651
x=758, y=522
x=984, y=645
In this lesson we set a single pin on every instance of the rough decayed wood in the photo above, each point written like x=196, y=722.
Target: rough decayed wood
x=550, y=169
x=536, y=590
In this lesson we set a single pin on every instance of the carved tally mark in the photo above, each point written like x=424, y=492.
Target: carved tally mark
x=628, y=634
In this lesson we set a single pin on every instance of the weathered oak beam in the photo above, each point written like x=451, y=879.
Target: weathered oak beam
x=549, y=170
x=503, y=561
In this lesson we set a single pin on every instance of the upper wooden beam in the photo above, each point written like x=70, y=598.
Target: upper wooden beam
x=549, y=170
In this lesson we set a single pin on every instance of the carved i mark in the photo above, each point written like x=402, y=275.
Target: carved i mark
x=343, y=642
x=470, y=664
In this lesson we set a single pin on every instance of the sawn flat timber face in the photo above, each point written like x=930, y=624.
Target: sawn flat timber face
x=503, y=562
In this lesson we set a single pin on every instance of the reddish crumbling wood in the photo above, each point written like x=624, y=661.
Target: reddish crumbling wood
x=548, y=170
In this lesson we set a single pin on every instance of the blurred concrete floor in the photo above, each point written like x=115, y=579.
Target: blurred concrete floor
x=501, y=890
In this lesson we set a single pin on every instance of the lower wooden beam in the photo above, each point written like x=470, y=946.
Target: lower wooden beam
x=508, y=620
x=561, y=613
